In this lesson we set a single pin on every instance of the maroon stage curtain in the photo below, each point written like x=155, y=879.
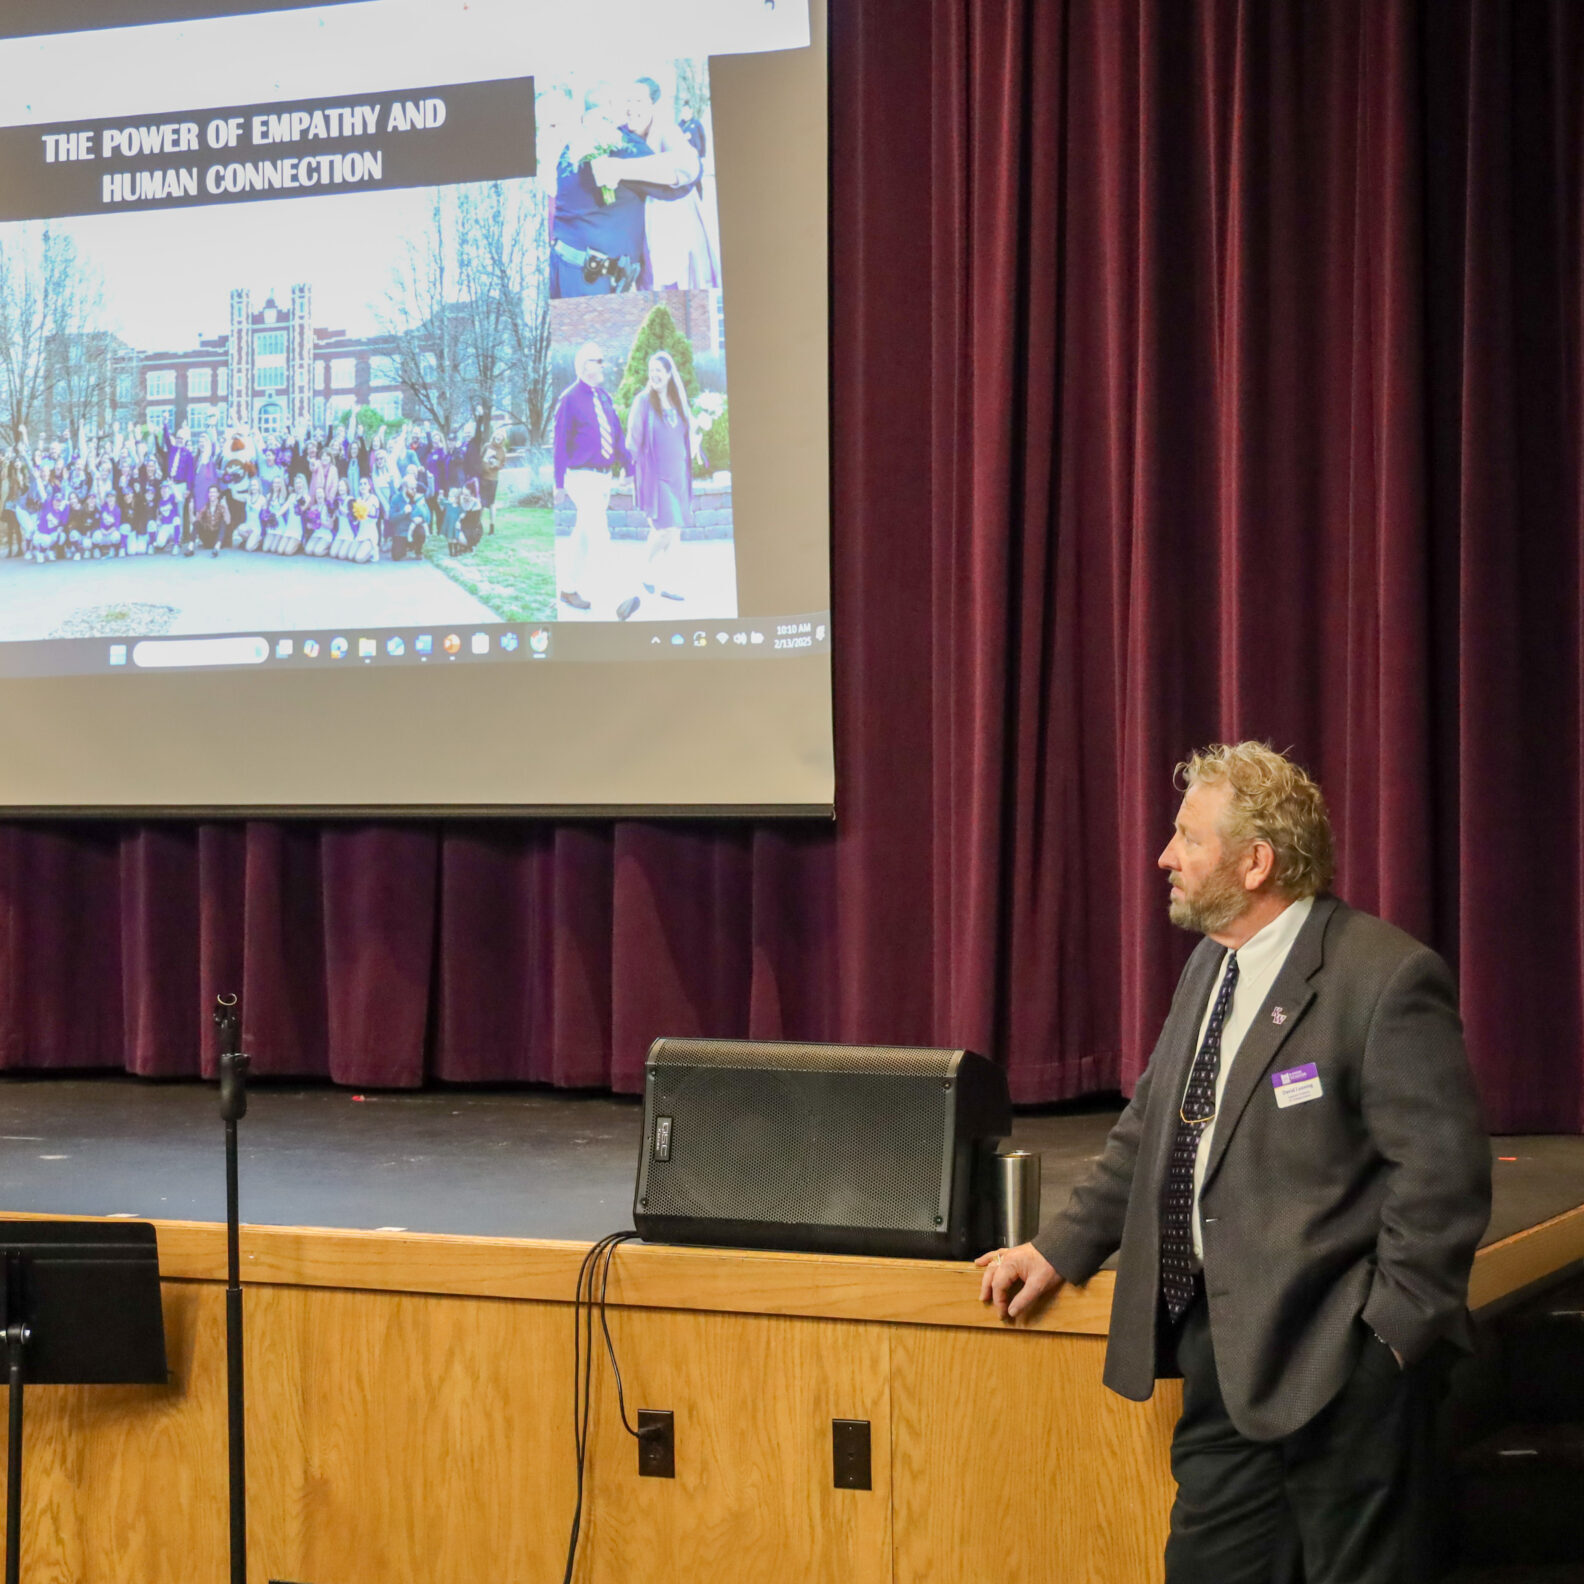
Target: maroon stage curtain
x=1200, y=370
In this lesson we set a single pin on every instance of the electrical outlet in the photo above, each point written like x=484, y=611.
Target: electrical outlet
x=656, y=1443
x=850, y=1454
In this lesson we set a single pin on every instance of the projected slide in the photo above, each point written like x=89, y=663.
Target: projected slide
x=418, y=358
x=414, y=406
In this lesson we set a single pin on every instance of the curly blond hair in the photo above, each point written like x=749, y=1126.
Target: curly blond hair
x=1273, y=800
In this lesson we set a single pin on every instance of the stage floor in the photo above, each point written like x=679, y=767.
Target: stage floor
x=501, y=1163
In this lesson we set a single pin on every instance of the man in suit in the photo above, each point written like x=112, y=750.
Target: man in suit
x=1296, y=1191
x=590, y=448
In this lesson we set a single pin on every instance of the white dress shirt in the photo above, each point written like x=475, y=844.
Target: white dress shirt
x=1260, y=959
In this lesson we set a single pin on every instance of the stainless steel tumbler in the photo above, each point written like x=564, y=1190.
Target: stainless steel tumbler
x=1017, y=1197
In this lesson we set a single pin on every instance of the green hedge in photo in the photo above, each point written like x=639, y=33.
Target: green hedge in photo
x=716, y=438
x=657, y=333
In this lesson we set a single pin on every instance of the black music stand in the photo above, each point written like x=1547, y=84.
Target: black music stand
x=80, y=1301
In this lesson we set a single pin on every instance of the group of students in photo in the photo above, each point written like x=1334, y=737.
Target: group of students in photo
x=333, y=494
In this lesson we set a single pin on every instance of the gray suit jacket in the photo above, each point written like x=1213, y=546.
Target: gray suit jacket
x=1367, y=1202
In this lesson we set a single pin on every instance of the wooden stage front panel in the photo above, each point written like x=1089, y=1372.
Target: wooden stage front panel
x=410, y=1419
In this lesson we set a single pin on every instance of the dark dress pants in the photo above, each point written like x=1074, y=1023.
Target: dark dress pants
x=1346, y=1499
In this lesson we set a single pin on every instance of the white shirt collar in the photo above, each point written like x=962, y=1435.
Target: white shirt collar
x=1269, y=946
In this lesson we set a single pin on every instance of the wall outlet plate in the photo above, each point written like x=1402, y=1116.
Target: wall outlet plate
x=656, y=1443
x=850, y=1454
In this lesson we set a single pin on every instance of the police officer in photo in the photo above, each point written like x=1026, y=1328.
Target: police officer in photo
x=597, y=239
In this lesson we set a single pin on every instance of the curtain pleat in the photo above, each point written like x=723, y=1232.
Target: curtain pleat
x=1199, y=370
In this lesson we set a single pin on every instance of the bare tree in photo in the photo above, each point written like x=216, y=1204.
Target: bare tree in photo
x=83, y=354
x=468, y=307
x=28, y=260
x=479, y=309
x=692, y=85
x=510, y=289
x=58, y=359
x=430, y=349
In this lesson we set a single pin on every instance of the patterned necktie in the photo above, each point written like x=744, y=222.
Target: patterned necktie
x=1195, y=1112
x=607, y=440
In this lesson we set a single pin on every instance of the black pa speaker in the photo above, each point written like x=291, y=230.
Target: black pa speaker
x=841, y=1149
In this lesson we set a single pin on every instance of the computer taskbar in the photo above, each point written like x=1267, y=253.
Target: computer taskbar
x=722, y=638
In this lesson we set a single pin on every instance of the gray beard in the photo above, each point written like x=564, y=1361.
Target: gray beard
x=1220, y=901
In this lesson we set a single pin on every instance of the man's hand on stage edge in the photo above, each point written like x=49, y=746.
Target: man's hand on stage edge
x=1016, y=1279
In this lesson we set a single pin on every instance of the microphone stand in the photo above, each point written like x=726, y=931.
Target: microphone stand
x=233, y=1107
x=15, y=1337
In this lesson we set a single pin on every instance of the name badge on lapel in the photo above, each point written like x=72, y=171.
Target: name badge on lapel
x=1296, y=1085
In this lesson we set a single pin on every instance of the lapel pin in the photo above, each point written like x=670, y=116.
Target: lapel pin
x=1278, y=1017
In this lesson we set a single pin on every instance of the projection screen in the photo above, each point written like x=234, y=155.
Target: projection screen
x=414, y=406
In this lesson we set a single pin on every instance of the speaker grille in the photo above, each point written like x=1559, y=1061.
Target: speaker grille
x=799, y=1146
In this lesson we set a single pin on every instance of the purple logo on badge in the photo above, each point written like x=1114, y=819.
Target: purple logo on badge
x=1307, y=1073
x=1278, y=1017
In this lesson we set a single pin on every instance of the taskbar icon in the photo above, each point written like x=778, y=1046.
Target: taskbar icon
x=370, y=647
